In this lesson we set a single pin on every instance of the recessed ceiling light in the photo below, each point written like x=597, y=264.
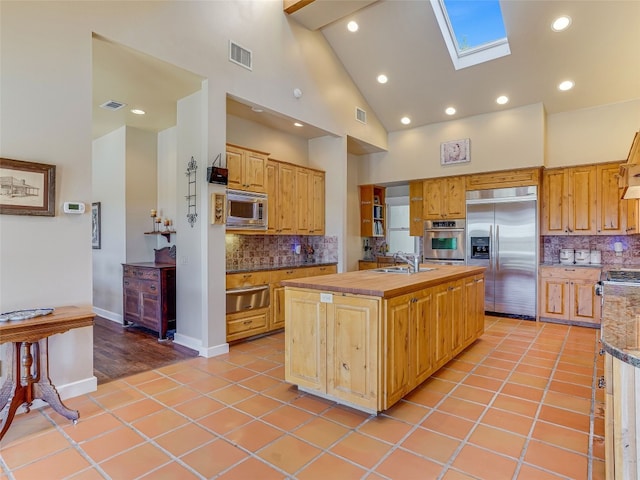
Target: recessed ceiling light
x=405, y=120
x=257, y=109
x=450, y=111
x=502, y=99
x=352, y=26
x=137, y=111
x=298, y=124
x=566, y=85
x=382, y=78
x=561, y=23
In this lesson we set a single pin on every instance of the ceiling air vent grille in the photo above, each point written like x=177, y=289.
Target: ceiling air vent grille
x=361, y=115
x=112, y=105
x=240, y=55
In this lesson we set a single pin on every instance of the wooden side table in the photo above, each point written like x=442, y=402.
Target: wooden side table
x=29, y=375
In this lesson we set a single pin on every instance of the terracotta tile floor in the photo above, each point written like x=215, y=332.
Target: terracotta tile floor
x=518, y=404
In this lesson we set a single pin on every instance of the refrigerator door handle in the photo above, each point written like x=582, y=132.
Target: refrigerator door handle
x=491, y=248
x=497, y=244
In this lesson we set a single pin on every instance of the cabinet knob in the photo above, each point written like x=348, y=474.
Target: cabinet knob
x=602, y=383
x=152, y=287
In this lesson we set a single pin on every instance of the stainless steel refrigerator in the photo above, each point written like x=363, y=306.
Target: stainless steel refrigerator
x=502, y=235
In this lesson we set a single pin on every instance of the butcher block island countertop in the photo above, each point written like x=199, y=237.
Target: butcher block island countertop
x=366, y=339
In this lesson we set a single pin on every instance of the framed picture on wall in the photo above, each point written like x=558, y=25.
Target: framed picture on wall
x=27, y=188
x=96, y=226
x=455, y=151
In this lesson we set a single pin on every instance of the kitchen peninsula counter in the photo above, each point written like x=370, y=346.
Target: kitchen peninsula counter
x=367, y=338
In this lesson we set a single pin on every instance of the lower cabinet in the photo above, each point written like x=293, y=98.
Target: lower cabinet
x=246, y=324
x=334, y=341
x=149, y=296
x=368, y=352
x=568, y=294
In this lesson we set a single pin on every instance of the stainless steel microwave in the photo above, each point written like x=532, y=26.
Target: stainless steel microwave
x=246, y=210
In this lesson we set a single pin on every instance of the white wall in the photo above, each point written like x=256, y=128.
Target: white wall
x=512, y=138
x=109, y=160
x=592, y=135
x=279, y=145
x=141, y=191
x=167, y=185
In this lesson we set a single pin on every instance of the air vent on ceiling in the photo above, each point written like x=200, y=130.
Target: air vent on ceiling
x=239, y=55
x=112, y=105
x=361, y=115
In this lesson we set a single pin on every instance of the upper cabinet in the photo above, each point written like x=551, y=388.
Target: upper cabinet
x=246, y=169
x=296, y=199
x=372, y=211
x=443, y=198
x=586, y=200
x=416, y=222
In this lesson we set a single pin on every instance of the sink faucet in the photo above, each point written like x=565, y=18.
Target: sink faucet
x=412, y=259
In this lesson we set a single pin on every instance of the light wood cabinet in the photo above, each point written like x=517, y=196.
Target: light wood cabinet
x=335, y=345
x=369, y=352
x=409, y=351
x=296, y=199
x=277, y=289
x=503, y=179
x=567, y=294
x=443, y=198
x=416, y=199
x=372, y=211
x=246, y=169
x=586, y=200
x=246, y=324
x=569, y=201
x=367, y=265
x=317, y=202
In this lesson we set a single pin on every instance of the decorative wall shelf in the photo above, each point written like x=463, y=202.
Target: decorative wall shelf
x=166, y=234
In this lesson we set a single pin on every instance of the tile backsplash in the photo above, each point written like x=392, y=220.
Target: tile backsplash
x=550, y=247
x=248, y=251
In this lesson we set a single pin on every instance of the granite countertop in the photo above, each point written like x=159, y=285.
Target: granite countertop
x=620, y=329
x=385, y=285
x=151, y=264
x=262, y=268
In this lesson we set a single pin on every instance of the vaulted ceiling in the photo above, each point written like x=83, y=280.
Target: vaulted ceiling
x=401, y=39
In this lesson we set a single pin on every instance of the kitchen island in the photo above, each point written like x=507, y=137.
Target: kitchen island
x=367, y=338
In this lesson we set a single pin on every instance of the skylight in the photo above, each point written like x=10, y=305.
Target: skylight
x=473, y=30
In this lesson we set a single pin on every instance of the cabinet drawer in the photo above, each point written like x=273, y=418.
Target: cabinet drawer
x=143, y=273
x=241, y=325
x=143, y=286
x=236, y=280
x=571, y=273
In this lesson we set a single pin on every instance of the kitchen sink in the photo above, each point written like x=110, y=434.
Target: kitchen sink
x=399, y=269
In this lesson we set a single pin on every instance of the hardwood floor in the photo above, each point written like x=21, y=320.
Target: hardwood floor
x=120, y=352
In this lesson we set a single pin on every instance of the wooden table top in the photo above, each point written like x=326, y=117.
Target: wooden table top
x=34, y=329
x=385, y=285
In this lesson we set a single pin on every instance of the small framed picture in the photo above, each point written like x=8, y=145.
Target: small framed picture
x=27, y=188
x=455, y=151
x=95, y=225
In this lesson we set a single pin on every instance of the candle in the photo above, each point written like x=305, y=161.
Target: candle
x=158, y=220
x=153, y=212
x=166, y=222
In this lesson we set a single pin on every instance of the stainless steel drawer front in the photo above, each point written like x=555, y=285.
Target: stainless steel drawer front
x=249, y=298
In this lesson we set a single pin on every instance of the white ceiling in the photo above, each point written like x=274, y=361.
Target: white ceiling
x=402, y=39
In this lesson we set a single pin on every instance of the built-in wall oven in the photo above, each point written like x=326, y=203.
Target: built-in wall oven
x=444, y=241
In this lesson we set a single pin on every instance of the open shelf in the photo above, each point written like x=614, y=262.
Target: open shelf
x=166, y=234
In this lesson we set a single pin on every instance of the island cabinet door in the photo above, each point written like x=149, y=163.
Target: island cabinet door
x=473, y=308
x=352, y=350
x=408, y=343
x=305, y=339
x=442, y=330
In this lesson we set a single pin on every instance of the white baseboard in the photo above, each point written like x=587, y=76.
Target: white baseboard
x=195, y=344
x=68, y=390
x=114, y=317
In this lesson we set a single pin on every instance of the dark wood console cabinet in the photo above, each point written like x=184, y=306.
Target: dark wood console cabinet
x=149, y=292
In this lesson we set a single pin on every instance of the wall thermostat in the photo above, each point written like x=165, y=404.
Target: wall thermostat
x=73, y=207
